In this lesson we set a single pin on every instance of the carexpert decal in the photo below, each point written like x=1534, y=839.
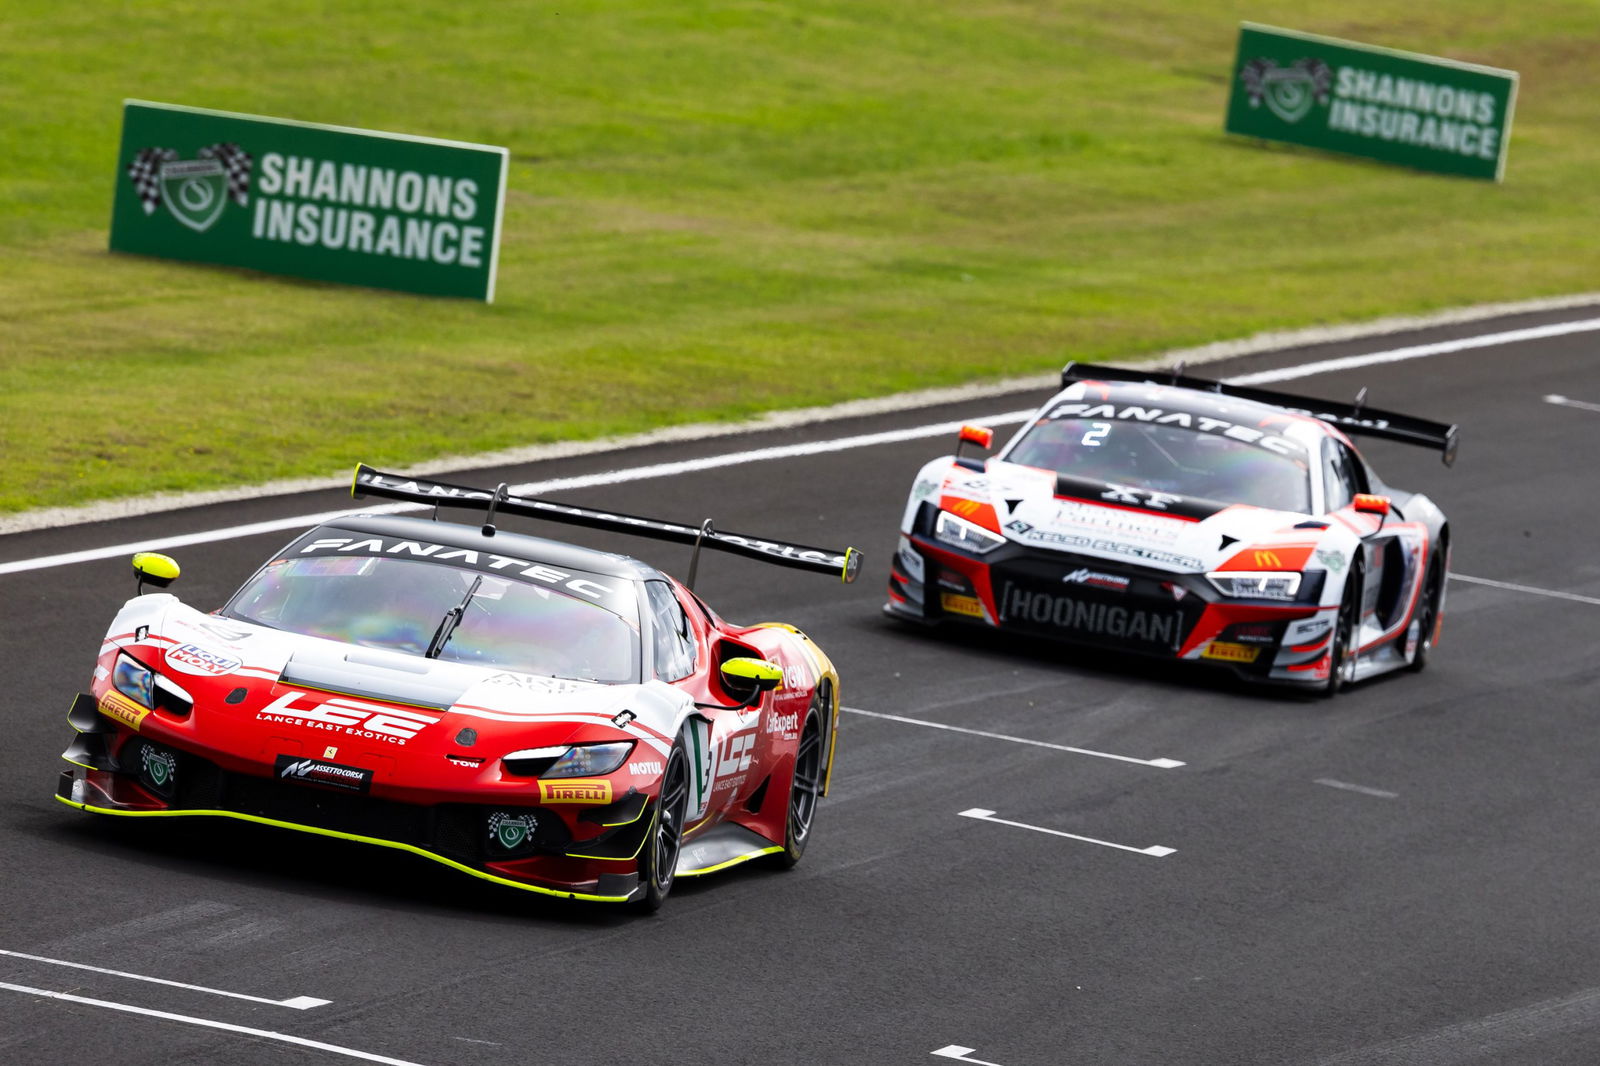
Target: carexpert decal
x=326, y=202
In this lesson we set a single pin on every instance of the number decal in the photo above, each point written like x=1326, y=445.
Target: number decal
x=1093, y=438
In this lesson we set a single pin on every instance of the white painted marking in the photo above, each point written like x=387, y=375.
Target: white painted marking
x=1363, y=789
x=1562, y=401
x=611, y=477
x=1508, y=586
x=1156, y=850
x=297, y=1003
x=959, y=1053
x=1418, y=351
x=209, y=1024
x=1160, y=764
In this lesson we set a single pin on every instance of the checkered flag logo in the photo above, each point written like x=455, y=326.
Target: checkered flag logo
x=236, y=163
x=145, y=170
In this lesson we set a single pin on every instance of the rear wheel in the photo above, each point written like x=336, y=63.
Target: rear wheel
x=1341, y=655
x=658, y=862
x=804, y=790
x=1428, y=611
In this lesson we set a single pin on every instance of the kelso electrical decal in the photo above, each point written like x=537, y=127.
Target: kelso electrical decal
x=323, y=202
x=1415, y=110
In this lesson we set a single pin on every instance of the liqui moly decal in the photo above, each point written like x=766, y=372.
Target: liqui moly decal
x=193, y=659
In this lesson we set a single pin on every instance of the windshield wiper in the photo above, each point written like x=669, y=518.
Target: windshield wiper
x=451, y=619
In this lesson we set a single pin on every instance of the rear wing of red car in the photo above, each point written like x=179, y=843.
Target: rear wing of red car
x=1356, y=418
x=369, y=482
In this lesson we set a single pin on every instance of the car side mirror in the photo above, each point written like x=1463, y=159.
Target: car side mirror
x=745, y=673
x=1366, y=503
x=155, y=568
x=982, y=436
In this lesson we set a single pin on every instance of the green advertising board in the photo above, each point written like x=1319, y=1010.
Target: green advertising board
x=321, y=202
x=1398, y=107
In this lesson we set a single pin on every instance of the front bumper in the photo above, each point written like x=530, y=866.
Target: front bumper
x=591, y=855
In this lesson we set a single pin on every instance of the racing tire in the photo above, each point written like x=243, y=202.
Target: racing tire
x=1428, y=611
x=658, y=860
x=1341, y=661
x=805, y=789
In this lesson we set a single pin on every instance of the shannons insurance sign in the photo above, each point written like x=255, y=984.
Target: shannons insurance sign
x=1398, y=107
x=321, y=202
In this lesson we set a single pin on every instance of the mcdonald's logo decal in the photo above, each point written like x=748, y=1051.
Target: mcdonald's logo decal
x=1268, y=560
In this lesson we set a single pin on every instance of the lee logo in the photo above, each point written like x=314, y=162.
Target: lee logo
x=351, y=717
x=735, y=753
x=575, y=791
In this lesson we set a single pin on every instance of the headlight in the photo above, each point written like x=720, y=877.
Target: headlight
x=1256, y=585
x=959, y=533
x=580, y=760
x=134, y=680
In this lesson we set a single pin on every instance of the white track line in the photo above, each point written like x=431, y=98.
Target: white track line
x=1562, y=401
x=959, y=1053
x=1160, y=764
x=1363, y=789
x=1155, y=850
x=1419, y=351
x=868, y=440
x=209, y=1024
x=1508, y=586
x=611, y=477
x=297, y=1003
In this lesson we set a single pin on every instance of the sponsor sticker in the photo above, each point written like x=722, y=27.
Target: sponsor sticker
x=648, y=768
x=1084, y=576
x=193, y=659
x=116, y=706
x=786, y=725
x=160, y=767
x=511, y=831
x=964, y=605
x=320, y=772
x=1233, y=653
x=1067, y=612
x=576, y=790
x=368, y=721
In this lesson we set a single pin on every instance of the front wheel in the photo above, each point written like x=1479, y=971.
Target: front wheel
x=658, y=862
x=1341, y=656
x=1428, y=611
x=804, y=791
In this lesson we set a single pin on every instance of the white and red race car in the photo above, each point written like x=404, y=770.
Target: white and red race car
x=1189, y=519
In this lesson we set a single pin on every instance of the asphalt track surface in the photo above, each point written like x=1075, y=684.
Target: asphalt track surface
x=1405, y=874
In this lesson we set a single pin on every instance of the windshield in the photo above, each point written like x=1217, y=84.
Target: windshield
x=1185, y=461
x=401, y=604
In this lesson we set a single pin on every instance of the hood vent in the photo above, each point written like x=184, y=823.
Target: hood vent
x=395, y=678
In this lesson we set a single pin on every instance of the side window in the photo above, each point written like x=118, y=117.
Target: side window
x=1338, y=484
x=669, y=629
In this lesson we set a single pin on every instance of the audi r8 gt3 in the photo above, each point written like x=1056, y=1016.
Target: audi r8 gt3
x=1189, y=519
x=541, y=715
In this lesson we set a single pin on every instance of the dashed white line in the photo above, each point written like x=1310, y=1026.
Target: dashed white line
x=1562, y=401
x=959, y=1053
x=1363, y=789
x=1160, y=764
x=209, y=1023
x=297, y=1003
x=1156, y=850
x=1510, y=587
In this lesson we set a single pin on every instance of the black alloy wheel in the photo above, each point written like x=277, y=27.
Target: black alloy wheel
x=658, y=864
x=1428, y=610
x=804, y=791
x=1342, y=660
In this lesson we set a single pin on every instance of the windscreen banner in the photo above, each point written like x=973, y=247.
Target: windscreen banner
x=1398, y=107
x=322, y=202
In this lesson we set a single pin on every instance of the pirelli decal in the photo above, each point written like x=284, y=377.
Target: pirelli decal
x=576, y=790
x=1231, y=653
x=120, y=708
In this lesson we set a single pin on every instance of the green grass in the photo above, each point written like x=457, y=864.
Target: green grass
x=716, y=208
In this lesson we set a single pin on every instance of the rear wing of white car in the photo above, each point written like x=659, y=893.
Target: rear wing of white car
x=369, y=482
x=1356, y=418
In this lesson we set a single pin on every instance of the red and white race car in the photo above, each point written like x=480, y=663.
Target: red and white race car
x=1189, y=519
x=544, y=716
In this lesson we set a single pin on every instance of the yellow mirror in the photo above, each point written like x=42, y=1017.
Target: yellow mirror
x=764, y=675
x=160, y=570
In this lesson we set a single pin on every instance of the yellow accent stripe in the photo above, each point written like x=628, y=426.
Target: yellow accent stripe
x=731, y=862
x=355, y=476
x=413, y=849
